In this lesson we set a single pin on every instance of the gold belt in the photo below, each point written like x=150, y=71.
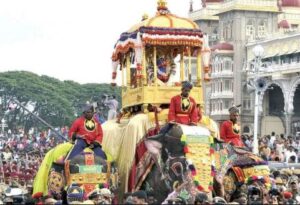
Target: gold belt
x=182, y=115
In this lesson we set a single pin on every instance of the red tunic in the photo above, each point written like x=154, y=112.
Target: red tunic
x=90, y=130
x=230, y=134
x=183, y=110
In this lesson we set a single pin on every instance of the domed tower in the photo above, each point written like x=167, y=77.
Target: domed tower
x=290, y=16
x=206, y=19
x=146, y=55
x=290, y=3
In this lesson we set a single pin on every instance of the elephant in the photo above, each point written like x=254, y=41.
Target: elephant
x=170, y=163
x=86, y=170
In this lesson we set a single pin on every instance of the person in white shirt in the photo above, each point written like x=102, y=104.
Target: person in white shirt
x=289, y=153
x=272, y=139
x=113, y=105
x=7, y=155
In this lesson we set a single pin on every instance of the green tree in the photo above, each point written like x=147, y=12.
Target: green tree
x=57, y=102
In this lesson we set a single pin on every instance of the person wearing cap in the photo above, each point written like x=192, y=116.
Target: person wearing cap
x=183, y=108
x=139, y=197
x=230, y=130
x=86, y=131
x=294, y=188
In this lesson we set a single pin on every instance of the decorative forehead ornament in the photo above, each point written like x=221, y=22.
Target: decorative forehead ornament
x=74, y=193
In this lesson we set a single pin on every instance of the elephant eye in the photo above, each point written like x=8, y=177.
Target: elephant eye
x=177, y=168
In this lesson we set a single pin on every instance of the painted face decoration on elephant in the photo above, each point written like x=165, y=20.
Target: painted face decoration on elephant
x=56, y=182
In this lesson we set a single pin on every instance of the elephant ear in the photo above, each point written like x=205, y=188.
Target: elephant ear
x=158, y=137
x=153, y=146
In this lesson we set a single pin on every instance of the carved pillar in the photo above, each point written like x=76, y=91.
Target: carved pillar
x=288, y=123
x=288, y=107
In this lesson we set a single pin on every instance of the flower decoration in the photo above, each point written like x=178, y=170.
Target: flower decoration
x=197, y=178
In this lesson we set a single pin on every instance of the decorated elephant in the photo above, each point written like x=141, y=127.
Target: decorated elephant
x=188, y=154
x=82, y=174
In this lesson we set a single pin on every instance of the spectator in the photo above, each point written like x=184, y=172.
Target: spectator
x=289, y=153
x=113, y=105
x=139, y=197
x=177, y=187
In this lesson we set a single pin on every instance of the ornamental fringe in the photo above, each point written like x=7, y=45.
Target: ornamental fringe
x=154, y=39
x=193, y=169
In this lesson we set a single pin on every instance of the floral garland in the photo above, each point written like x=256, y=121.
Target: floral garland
x=171, y=31
x=192, y=167
x=262, y=179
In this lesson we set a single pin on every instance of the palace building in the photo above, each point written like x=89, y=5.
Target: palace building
x=235, y=27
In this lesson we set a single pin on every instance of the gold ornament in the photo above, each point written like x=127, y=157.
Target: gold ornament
x=161, y=4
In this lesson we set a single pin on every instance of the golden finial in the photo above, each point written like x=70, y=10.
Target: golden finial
x=145, y=17
x=161, y=4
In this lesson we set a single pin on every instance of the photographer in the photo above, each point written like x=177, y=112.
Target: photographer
x=113, y=105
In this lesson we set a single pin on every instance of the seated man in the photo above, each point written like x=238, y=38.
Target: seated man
x=230, y=130
x=183, y=108
x=86, y=131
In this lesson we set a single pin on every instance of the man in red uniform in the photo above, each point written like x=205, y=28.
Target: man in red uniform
x=183, y=109
x=230, y=130
x=86, y=131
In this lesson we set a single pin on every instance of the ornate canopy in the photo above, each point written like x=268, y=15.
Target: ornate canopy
x=164, y=29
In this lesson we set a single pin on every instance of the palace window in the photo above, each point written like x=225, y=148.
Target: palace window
x=247, y=104
x=246, y=129
x=228, y=64
x=226, y=104
x=294, y=26
x=261, y=30
x=250, y=31
x=227, y=85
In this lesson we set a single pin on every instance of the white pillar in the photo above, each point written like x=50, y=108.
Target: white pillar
x=255, y=140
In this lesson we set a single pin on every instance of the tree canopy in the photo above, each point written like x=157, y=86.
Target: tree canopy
x=57, y=102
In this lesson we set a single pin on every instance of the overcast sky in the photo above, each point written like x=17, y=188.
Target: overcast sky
x=69, y=39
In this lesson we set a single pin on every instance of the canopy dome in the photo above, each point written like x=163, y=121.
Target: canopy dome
x=291, y=3
x=164, y=29
x=164, y=19
x=284, y=24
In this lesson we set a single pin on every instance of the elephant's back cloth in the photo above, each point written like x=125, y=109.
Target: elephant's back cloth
x=120, y=140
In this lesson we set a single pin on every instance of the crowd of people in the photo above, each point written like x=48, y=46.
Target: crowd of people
x=22, y=154
x=20, y=158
